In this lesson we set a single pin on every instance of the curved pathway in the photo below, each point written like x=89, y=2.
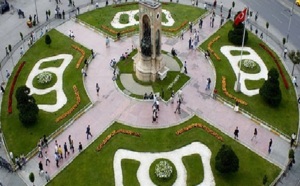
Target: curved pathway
x=112, y=105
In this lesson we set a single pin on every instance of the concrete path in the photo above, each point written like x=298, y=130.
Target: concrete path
x=112, y=105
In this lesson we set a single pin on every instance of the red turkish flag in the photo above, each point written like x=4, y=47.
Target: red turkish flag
x=240, y=17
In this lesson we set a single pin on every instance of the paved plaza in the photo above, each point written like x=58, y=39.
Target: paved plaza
x=113, y=105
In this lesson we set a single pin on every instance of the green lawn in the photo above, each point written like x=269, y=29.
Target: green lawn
x=126, y=67
x=103, y=16
x=96, y=168
x=20, y=139
x=285, y=117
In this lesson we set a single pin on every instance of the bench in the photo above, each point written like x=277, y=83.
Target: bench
x=163, y=72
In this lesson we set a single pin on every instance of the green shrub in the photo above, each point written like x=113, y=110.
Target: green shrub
x=235, y=36
x=270, y=91
x=26, y=105
x=48, y=40
x=226, y=160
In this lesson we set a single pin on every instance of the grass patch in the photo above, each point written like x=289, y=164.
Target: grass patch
x=20, y=139
x=194, y=167
x=129, y=169
x=285, y=117
x=163, y=140
x=103, y=16
x=124, y=18
x=55, y=63
x=49, y=98
x=254, y=84
x=238, y=52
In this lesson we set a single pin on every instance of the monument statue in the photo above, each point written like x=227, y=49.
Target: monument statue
x=148, y=63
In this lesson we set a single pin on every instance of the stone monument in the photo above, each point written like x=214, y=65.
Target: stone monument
x=148, y=64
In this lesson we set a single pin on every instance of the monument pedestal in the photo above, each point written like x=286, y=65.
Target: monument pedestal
x=147, y=68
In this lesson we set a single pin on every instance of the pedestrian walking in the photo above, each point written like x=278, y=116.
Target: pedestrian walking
x=7, y=74
x=173, y=94
x=185, y=68
x=178, y=107
x=88, y=132
x=45, y=141
x=21, y=51
x=190, y=43
x=200, y=23
x=80, y=147
x=208, y=82
x=6, y=51
x=221, y=7
x=212, y=21
x=46, y=158
x=293, y=139
x=40, y=153
x=71, y=143
x=261, y=35
x=295, y=81
x=154, y=114
x=83, y=72
x=97, y=89
x=181, y=35
x=107, y=41
x=66, y=150
x=222, y=21
x=2, y=89
x=285, y=53
x=41, y=169
x=236, y=133
x=254, y=134
x=60, y=152
x=47, y=177
x=270, y=145
x=256, y=16
x=57, y=158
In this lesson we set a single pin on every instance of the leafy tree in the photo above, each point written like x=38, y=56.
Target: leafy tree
x=295, y=58
x=235, y=36
x=31, y=177
x=270, y=91
x=26, y=105
x=48, y=40
x=226, y=160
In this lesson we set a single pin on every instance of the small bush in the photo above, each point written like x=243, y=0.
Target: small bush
x=226, y=160
x=270, y=91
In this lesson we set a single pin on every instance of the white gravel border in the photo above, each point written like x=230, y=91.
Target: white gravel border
x=234, y=64
x=147, y=158
x=61, y=98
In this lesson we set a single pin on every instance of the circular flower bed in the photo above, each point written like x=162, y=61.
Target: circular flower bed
x=44, y=80
x=163, y=169
x=44, y=77
x=163, y=172
x=249, y=66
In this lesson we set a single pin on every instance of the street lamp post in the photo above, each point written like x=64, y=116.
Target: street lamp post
x=37, y=17
x=291, y=15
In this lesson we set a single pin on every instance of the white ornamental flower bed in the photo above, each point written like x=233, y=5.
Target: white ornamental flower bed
x=44, y=77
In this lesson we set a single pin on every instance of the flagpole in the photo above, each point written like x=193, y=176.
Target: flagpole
x=237, y=86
